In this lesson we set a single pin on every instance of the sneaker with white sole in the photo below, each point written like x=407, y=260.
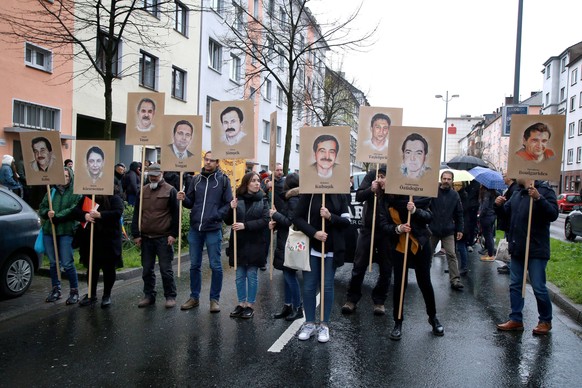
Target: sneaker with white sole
x=323, y=334
x=307, y=331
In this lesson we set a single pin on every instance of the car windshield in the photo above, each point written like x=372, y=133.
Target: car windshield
x=574, y=198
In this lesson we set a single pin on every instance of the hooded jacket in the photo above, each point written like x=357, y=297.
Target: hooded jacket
x=64, y=202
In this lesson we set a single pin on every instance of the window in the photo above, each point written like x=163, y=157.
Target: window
x=571, y=127
x=280, y=97
x=570, y=156
x=209, y=101
x=235, y=68
x=238, y=17
x=270, y=48
x=296, y=143
x=102, y=45
x=9, y=205
x=548, y=68
x=38, y=57
x=572, y=103
x=28, y=115
x=152, y=7
x=271, y=7
x=563, y=64
x=579, y=127
x=218, y=6
x=574, y=76
x=281, y=58
x=148, y=66
x=579, y=155
x=282, y=17
x=178, y=83
x=267, y=90
x=266, y=131
x=278, y=136
x=215, y=55
x=547, y=100
x=301, y=42
x=256, y=9
x=181, y=18
x=562, y=94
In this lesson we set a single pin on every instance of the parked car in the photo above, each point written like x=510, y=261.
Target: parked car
x=566, y=201
x=20, y=225
x=573, y=224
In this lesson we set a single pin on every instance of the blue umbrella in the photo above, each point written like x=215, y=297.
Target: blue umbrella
x=489, y=178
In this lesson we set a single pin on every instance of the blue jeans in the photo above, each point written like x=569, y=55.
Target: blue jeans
x=64, y=245
x=537, y=278
x=247, y=283
x=311, y=284
x=150, y=248
x=292, y=288
x=213, y=240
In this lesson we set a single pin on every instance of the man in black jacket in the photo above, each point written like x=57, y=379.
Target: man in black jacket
x=447, y=224
x=503, y=221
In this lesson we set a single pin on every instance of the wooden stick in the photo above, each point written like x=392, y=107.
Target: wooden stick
x=50, y=202
x=404, y=265
x=322, y=293
x=180, y=225
x=234, y=212
x=525, y=264
x=141, y=186
x=373, y=222
x=90, y=275
x=271, y=245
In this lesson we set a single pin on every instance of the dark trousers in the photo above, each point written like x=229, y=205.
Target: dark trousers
x=421, y=261
x=361, y=262
x=150, y=248
x=109, y=275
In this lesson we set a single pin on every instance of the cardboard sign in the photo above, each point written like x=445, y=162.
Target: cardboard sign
x=145, y=118
x=182, y=147
x=373, y=128
x=535, y=147
x=413, y=166
x=43, y=159
x=232, y=129
x=95, y=167
x=325, y=160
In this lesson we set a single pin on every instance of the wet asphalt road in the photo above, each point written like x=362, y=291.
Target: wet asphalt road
x=68, y=346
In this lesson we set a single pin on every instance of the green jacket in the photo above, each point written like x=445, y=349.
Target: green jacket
x=63, y=206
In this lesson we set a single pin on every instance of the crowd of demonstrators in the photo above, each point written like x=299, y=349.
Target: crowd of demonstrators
x=252, y=219
x=370, y=188
x=503, y=220
x=8, y=175
x=487, y=221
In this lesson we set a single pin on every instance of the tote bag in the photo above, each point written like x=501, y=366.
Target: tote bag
x=297, y=247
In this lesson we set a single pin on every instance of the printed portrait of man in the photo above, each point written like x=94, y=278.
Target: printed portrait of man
x=43, y=154
x=183, y=134
x=232, y=119
x=95, y=161
x=325, y=150
x=414, y=152
x=535, y=144
x=146, y=111
x=379, y=127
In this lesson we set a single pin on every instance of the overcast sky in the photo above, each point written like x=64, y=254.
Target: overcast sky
x=426, y=47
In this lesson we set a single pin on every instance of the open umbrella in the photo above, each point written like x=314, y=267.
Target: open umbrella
x=460, y=175
x=466, y=162
x=489, y=178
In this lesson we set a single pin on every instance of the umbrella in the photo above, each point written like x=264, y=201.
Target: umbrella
x=460, y=175
x=489, y=178
x=466, y=162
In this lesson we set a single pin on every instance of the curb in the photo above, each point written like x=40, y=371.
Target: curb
x=574, y=310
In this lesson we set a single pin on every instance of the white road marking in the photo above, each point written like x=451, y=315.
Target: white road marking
x=289, y=333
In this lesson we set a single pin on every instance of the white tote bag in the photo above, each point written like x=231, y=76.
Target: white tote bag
x=297, y=247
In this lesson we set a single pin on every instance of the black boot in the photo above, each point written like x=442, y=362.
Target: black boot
x=287, y=309
x=396, y=333
x=296, y=314
x=437, y=328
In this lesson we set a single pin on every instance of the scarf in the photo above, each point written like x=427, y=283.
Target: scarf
x=400, y=247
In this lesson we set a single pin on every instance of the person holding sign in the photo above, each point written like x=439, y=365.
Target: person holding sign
x=419, y=257
x=380, y=126
x=64, y=202
x=535, y=143
x=543, y=212
x=310, y=214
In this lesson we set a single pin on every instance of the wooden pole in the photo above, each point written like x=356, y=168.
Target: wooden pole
x=50, y=202
x=404, y=265
x=179, y=225
x=140, y=186
x=271, y=245
x=525, y=264
x=234, y=212
x=90, y=275
x=373, y=222
x=322, y=292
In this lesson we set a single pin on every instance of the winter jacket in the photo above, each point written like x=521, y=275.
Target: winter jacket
x=366, y=195
x=447, y=213
x=486, y=204
x=7, y=175
x=160, y=214
x=502, y=221
x=209, y=196
x=64, y=202
x=252, y=240
x=284, y=219
x=419, y=220
x=131, y=181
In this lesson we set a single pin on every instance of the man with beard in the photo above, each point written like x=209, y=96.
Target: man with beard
x=325, y=149
x=146, y=111
x=43, y=154
x=447, y=224
x=159, y=230
x=232, y=123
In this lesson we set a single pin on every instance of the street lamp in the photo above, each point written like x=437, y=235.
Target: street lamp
x=446, y=100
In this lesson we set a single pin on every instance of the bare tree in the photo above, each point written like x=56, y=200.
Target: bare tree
x=277, y=46
x=94, y=29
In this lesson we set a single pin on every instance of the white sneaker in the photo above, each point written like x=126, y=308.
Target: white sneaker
x=323, y=334
x=307, y=331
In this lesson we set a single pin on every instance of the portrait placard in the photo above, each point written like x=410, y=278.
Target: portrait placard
x=95, y=161
x=373, y=127
x=273, y=143
x=233, y=130
x=413, y=168
x=535, y=147
x=43, y=158
x=182, y=147
x=324, y=165
x=145, y=118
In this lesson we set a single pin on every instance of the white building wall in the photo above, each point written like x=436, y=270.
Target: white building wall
x=572, y=166
x=463, y=125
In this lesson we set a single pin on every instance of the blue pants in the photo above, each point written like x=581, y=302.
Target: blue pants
x=292, y=288
x=311, y=284
x=213, y=240
x=247, y=283
x=64, y=245
x=537, y=278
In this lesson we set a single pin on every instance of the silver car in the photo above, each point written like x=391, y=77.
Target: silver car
x=573, y=224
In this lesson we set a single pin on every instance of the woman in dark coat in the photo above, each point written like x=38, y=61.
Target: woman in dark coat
x=487, y=221
x=282, y=220
x=252, y=219
x=106, y=242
